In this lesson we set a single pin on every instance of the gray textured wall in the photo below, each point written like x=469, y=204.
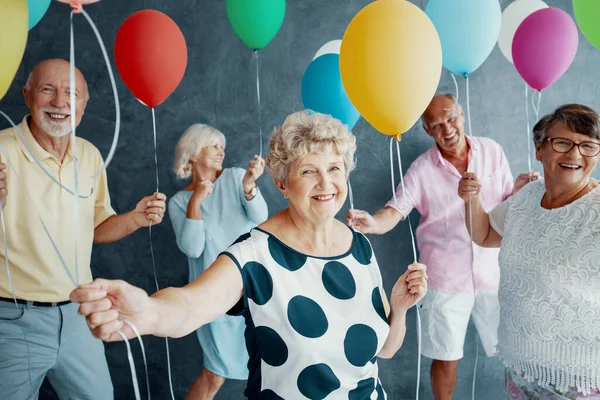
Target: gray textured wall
x=219, y=89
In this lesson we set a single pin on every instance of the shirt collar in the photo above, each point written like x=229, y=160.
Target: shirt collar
x=38, y=151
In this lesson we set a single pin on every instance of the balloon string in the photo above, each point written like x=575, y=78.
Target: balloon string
x=73, y=117
x=260, y=137
x=139, y=337
x=528, y=128
x=472, y=248
x=537, y=108
x=136, y=387
x=153, y=258
x=350, y=197
x=455, y=87
x=115, y=141
x=414, y=248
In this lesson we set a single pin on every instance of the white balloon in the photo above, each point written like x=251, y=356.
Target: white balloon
x=512, y=16
x=332, y=47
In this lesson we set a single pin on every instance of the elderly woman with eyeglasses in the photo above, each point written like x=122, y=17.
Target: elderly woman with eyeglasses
x=549, y=239
x=309, y=287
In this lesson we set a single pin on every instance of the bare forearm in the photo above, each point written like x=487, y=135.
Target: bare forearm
x=193, y=208
x=395, y=338
x=387, y=218
x=172, y=312
x=481, y=221
x=115, y=228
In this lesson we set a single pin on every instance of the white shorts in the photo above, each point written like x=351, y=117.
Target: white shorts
x=444, y=321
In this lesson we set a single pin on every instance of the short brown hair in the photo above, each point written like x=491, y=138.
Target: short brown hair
x=577, y=117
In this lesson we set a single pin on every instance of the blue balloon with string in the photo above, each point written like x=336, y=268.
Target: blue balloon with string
x=468, y=31
x=37, y=9
x=323, y=91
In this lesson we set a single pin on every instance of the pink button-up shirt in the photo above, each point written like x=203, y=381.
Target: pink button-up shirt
x=442, y=237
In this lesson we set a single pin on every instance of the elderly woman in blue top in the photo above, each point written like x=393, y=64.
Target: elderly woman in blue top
x=216, y=207
x=309, y=287
x=549, y=239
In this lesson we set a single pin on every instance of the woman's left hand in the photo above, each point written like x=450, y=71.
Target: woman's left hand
x=256, y=167
x=410, y=288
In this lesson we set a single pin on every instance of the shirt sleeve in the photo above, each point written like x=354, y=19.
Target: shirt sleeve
x=241, y=252
x=256, y=209
x=498, y=215
x=102, y=208
x=189, y=233
x=405, y=204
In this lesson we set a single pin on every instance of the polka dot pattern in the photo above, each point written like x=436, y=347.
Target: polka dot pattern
x=285, y=257
x=361, y=249
x=378, y=303
x=338, y=280
x=259, y=282
x=360, y=344
x=317, y=381
x=363, y=390
x=274, y=351
x=307, y=317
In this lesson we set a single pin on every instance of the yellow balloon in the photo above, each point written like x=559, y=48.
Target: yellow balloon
x=13, y=37
x=391, y=63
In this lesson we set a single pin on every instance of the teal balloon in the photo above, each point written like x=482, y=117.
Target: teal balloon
x=256, y=22
x=37, y=9
x=468, y=31
x=322, y=90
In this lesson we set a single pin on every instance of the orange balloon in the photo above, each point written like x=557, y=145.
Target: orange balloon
x=391, y=63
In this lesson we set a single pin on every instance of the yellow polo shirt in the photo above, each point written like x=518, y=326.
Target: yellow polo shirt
x=36, y=270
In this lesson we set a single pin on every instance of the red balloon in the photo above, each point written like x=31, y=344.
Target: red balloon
x=151, y=56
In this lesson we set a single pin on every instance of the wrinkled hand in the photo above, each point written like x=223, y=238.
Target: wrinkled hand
x=3, y=190
x=202, y=190
x=524, y=179
x=150, y=210
x=469, y=186
x=410, y=288
x=104, y=303
x=256, y=167
x=361, y=220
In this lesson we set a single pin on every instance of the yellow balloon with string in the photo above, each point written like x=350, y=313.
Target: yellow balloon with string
x=391, y=63
x=14, y=26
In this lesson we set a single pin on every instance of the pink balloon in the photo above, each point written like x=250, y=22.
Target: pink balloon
x=77, y=4
x=544, y=47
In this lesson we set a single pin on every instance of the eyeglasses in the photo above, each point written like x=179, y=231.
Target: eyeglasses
x=586, y=149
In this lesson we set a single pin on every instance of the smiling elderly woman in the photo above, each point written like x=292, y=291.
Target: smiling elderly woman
x=549, y=235
x=308, y=286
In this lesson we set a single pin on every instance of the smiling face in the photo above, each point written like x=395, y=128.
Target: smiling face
x=47, y=96
x=316, y=185
x=444, y=122
x=211, y=157
x=570, y=168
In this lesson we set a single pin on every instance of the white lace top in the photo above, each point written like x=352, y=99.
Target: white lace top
x=550, y=288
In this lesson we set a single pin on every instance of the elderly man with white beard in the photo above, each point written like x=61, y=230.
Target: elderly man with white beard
x=41, y=333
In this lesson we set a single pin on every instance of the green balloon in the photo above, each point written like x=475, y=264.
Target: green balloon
x=587, y=14
x=256, y=22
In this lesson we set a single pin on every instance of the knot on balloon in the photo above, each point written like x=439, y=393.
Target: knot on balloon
x=398, y=137
x=76, y=6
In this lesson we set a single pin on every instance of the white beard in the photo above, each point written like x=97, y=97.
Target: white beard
x=55, y=129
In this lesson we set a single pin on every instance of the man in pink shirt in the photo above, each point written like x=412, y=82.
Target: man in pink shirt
x=463, y=277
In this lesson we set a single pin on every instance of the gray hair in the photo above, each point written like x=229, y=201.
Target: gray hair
x=306, y=132
x=577, y=117
x=450, y=96
x=192, y=141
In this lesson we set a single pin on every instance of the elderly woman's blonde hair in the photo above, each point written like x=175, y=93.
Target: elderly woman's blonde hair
x=193, y=140
x=304, y=133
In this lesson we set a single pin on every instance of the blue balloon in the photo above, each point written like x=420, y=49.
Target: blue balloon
x=323, y=91
x=468, y=30
x=37, y=9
